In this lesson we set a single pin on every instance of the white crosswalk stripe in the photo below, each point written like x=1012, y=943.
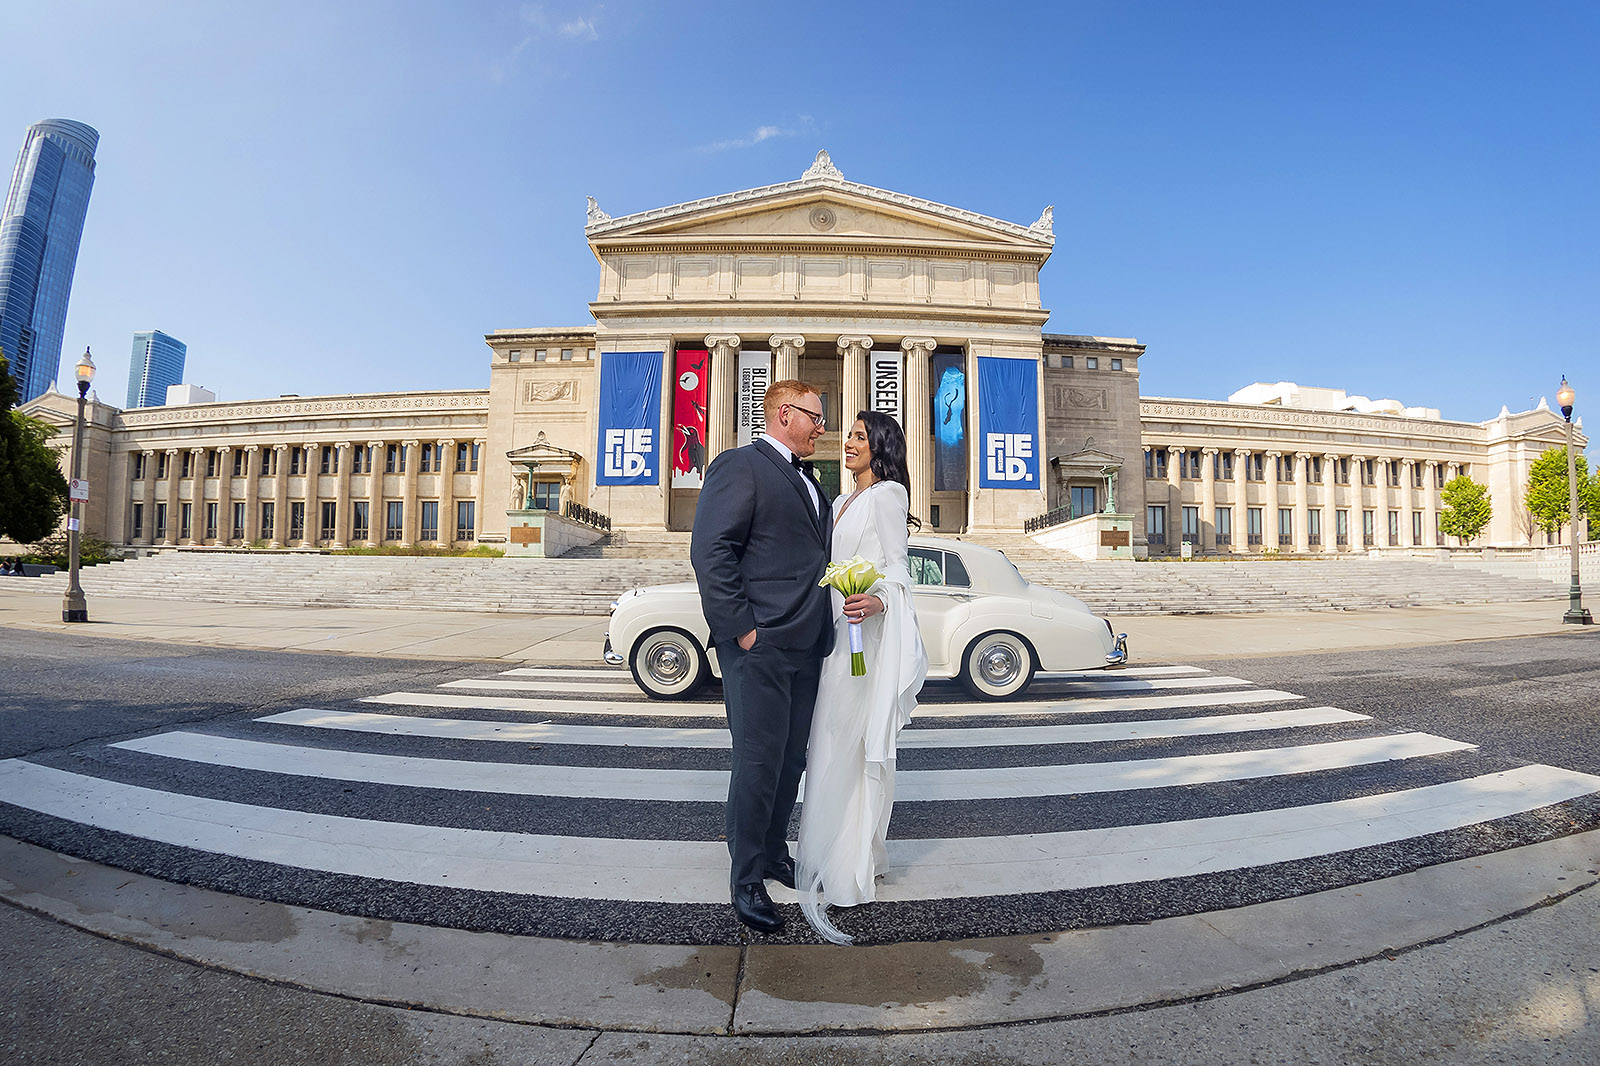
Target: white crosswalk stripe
x=186, y=787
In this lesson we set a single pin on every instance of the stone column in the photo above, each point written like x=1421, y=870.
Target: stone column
x=1330, y=488
x=1241, y=499
x=1269, y=511
x=312, y=533
x=918, y=402
x=409, y=518
x=169, y=536
x=1430, y=504
x=1302, y=496
x=197, y=495
x=1358, y=503
x=479, y=491
x=341, y=495
x=447, y=494
x=852, y=395
x=375, y=515
x=148, y=533
x=1208, y=500
x=280, y=495
x=1408, y=501
x=722, y=430
x=786, y=349
x=1174, y=500
x=225, y=495
x=1380, y=517
x=252, y=493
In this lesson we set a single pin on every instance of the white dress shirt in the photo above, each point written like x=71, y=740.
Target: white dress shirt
x=788, y=457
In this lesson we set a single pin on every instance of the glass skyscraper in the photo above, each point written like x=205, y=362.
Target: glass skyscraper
x=156, y=363
x=39, y=232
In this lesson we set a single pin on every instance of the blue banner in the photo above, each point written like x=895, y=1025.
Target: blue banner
x=630, y=418
x=1008, y=422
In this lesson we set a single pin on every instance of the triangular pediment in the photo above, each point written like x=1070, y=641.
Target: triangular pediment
x=1089, y=458
x=541, y=450
x=821, y=206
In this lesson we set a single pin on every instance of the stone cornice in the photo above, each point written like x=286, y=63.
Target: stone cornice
x=792, y=244
x=1258, y=416
x=1119, y=345
x=316, y=406
x=711, y=312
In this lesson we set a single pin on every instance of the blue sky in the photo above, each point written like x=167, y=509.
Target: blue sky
x=1398, y=199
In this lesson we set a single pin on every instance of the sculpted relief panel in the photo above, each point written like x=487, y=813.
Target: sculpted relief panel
x=549, y=391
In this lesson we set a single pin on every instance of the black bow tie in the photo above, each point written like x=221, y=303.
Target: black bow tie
x=795, y=459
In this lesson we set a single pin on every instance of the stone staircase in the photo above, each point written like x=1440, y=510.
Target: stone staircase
x=586, y=585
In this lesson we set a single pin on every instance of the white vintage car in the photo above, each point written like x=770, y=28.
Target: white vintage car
x=981, y=620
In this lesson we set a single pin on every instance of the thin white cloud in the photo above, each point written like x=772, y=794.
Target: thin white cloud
x=759, y=134
x=541, y=25
x=580, y=30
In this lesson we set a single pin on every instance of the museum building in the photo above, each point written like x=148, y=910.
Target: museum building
x=884, y=301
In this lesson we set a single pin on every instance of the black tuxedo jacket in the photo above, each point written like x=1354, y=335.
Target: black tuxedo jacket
x=759, y=549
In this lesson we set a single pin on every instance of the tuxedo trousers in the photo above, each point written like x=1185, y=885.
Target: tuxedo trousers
x=770, y=694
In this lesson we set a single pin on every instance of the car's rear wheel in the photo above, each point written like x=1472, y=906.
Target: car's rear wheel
x=997, y=666
x=668, y=664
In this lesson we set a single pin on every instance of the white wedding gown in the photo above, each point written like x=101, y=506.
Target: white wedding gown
x=849, y=784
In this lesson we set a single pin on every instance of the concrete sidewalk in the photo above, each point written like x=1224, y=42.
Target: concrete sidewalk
x=578, y=639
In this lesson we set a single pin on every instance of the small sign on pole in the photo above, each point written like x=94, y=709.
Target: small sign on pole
x=78, y=490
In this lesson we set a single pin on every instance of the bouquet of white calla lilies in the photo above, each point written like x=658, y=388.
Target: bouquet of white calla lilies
x=852, y=578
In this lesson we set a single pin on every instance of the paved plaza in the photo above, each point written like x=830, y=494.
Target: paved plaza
x=416, y=838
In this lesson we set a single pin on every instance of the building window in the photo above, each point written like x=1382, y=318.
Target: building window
x=546, y=495
x=1189, y=465
x=297, y=458
x=329, y=521
x=1341, y=471
x=185, y=520
x=1285, y=468
x=430, y=521
x=1416, y=528
x=1369, y=528
x=161, y=465
x=238, y=522
x=1222, y=465
x=933, y=514
x=330, y=459
x=358, y=460
x=1369, y=471
x=138, y=466
x=566, y=355
x=360, y=526
x=211, y=521
x=188, y=464
x=1341, y=526
x=1314, y=470
x=1155, y=525
x=1314, y=527
x=1116, y=364
x=1394, y=529
x=1191, y=525
x=472, y=462
x=466, y=527
x=394, y=460
x=240, y=469
x=1285, y=527
x=461, y=458
x=538, y=355
x=269, y=463
x=161, y=521
x=1091, y=362
x=1066, y=361
x=138, y=520
x=211, y=462
x=1084, y=500
x=514, y=355
x=1417, y=474
x=1155, y=463
x=1438, y=534
x=1438, y=475
x=426, y=464
x=394, y=520
x=1394, y=473
x=1252, y=525
x=1255, y=467
x=297, y=522
x=268, y=512
x=1224, y=525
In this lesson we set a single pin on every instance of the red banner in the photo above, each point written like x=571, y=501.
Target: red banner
x=689, y=418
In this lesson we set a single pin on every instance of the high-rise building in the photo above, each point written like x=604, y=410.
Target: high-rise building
x=39, y=232
x=157, y=362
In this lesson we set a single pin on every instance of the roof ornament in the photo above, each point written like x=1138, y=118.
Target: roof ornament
x=822, y=169
x=596, y=216
x=1046, y=223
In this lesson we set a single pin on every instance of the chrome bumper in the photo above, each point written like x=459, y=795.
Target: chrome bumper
x=611, y=657
x=1119, y=651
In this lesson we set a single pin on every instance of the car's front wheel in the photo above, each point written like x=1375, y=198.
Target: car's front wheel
x=997, y=666
x=668, y=664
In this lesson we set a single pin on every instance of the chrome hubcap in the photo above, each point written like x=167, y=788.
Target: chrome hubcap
x=999, y=664
x=667, y=663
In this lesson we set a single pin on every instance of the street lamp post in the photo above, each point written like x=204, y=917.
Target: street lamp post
x=74, y=608
x=1576, y=614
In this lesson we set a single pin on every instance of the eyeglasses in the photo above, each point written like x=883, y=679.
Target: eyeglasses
x=815, y=416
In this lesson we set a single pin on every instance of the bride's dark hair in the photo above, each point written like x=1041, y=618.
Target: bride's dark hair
x=887, y=442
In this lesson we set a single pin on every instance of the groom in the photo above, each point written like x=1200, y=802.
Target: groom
x=761, y=539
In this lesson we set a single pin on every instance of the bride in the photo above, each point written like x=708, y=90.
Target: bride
x=849, y=786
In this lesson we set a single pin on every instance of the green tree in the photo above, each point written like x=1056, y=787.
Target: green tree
x=1466, y=508
x=33, y=494
x=1547, y=489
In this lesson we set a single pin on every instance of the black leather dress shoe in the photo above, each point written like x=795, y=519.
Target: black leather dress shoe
x=782, y=872
x=754, y=908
